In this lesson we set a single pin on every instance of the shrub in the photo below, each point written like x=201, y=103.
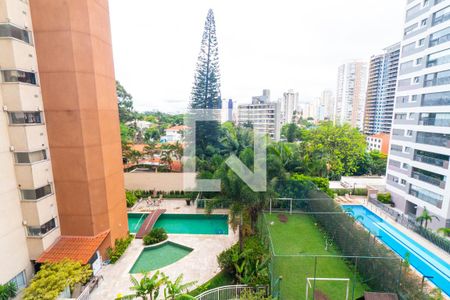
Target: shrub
x=53, y=278
x=384, y=198
x=253, y=295
x=8, y=290
x=155, y=236
x=120, y=245
x=356, y=192
x=131, y=198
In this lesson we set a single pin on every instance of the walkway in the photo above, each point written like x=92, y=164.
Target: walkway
x=149, y=222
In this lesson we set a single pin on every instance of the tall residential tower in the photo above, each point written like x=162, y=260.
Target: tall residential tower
x=381, y=91
x=351, y=94
x=418, y=170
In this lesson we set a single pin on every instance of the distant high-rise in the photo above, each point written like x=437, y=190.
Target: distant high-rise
x=381, y=91
x=324, y=106
x=265, y=116
x=351, y=94
x=418, y=174
x=289, y=106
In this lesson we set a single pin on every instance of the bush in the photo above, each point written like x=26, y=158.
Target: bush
x=155, y=236
x=8, y=290
x=384, y=198
x=356, y=192
x=249, y=266
x=120, y=245
x=131, y=198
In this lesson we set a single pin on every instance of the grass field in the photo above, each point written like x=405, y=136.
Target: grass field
x=300, y=236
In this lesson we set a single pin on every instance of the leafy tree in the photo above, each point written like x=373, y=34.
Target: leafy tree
x=53, y=278
x=8, y=291
x=426, y=217
x=292, y=132
x=125, y=100
x=152, y=134
x=166, y=158
x=206, y=90
x=372, y=163
x=332, y=151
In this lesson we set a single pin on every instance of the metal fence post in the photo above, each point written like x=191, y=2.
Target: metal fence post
x=290, y=210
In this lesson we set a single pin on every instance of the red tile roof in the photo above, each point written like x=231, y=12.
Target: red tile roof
x=177, y=128
x=77, y=248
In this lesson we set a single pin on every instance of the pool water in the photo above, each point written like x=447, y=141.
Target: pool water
x=156, y=257
x=135, y=221
x=193, y=223
x=183, y=223
x=423, y=260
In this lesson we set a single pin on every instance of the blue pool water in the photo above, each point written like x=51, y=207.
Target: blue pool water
x=423, y=260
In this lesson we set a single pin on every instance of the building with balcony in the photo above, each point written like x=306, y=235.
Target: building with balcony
x=418, y=165
x=378, y=142
x=263, y=115
x=381, y=91
x=351, y=94
x=60, y=151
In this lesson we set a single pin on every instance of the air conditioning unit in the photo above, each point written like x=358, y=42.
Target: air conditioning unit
x=11, y=148
x=5, y=108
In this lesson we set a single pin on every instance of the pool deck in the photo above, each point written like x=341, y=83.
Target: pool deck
x=200, y=265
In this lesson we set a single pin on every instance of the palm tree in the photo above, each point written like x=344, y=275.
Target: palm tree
x=147, y=286
x=426, y=217
x=166, y=158
x=175, y=290
x=8, y=291
x=445, y=231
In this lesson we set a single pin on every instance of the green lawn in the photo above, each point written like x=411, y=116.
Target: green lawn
x=220, y=279
x=301, y=236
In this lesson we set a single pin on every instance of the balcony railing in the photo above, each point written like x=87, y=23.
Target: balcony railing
x=428, y=179
x=437, y=81
x=426, y=198
x=432, y=161
x=434, y=141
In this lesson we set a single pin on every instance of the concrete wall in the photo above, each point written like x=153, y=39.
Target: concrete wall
x=158, y=181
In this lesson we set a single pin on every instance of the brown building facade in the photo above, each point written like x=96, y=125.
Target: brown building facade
x=73, y=45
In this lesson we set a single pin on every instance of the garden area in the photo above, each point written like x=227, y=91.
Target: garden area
x=297, y=240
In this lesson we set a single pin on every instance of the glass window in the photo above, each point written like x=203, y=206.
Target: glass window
x=423, y=22
x=418, y=61
x=43, y=229
x=441, y=16
x=20, y=280
x=25, y=117
x=426, y=195
x=435, y=139
x=30, y=157
x=19, y=76
x=439, y=78
x=440, y=37
x=421, y=42
x=438, y=58
x=8, y=30
x=37, y=193
x=410, y=29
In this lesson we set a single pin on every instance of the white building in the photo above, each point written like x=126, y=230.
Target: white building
x=418, y=168
x=289, y=106
x=265, y=116
x=174, y=134
x=351, y=94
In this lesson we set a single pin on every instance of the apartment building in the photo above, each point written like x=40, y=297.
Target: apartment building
x=351, y=94
x=378, y=142
x=418, y=168
x=265, y=116
x=289, y=106
x=61, y=183
x=381, y=87
x=29, y=222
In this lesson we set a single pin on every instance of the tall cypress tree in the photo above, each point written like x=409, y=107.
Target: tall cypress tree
x=206, y=90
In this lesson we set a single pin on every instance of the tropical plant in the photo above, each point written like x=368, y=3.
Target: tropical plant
x=384, y=198
x=166, y=158
x=8, y=290
x=53, y=278
x=131, y=198
x=147, y=287
x=249, y=294
x=156, y=235
x=120, y=245
x=444, y=230
x=175, y=290
x=426, y=217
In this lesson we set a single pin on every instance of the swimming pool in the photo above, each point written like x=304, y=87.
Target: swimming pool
x=423, y=260
x=183, y=223
x=156, y=257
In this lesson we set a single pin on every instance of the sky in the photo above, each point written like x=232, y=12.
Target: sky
x=263, y=44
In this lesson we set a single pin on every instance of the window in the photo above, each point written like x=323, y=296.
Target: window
x=43, y=229
x=416, y=80
x=405, y=166
x=426, y=2
x=439, y=78
x=418, y=61
x=11, y=31
x=441, y=16
x=403, y=182
x=408, y=48
x=400, y=116
x=440, y=37
x=410, y=29
x=435, y=139
x=409, y=133
x=19, y=76
x=438, y=58
x=423, y=23
x=410, y=12
x=30, y=157
x=20, y=280
x=435, y=119
x=426, y=195
x=397, y=148
x=37, y=193
x=25, y=118
x=414, y=98
x=421, y=42
x=393, y=178
x=436, y=99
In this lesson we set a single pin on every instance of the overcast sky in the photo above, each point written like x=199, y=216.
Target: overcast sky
x=279, y=45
